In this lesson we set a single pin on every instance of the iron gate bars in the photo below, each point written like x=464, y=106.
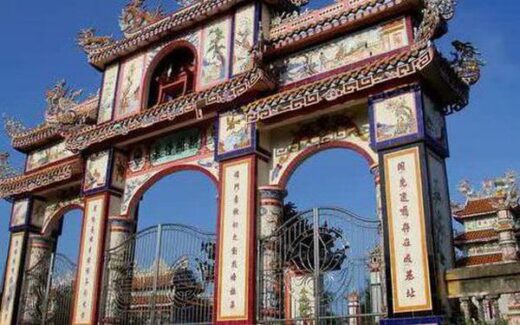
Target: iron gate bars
x=314, y=269
x=161, y=275
x=48, y=291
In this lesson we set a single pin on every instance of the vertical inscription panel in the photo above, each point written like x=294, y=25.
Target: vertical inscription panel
x=90, y=259
x=12, y=271
x=407, y=232
x=234, y=242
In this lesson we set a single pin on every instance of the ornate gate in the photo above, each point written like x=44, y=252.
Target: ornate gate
x=161, y=275
x=48, y=293
x=319, y=267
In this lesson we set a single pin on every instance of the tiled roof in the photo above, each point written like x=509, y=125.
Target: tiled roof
x=476, y=235
x=479, y=260
x=476, y=207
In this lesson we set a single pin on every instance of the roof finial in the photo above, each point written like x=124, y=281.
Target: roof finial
x=467, y=61
x=13, y=126
x=89, y=42
x=6, y=170
x=135, y=15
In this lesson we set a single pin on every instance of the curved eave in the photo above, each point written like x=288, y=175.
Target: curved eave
x=45, y=134
x=197, y=104
x=36, y=138
x=41, y=180
x=343, y=22
x=422, y=61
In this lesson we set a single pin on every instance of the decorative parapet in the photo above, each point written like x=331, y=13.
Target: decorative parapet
x=255, y=79
x=17, y=185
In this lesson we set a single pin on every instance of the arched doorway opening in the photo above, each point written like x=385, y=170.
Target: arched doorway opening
x=171, y=74
x=322, y=263
x=164, y=273
x=49, y=281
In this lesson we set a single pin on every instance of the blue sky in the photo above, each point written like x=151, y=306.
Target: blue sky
x=38, y=48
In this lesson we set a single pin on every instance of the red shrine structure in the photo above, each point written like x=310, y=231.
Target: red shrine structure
x=243, y=91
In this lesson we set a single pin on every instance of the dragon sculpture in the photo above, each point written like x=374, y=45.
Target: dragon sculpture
x=467, y=62
x=135, y=16
x=61, y=102
x=89, y=42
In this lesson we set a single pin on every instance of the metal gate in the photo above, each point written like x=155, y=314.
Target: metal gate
x=48, y=291
x=161, y=275
x=314, y=269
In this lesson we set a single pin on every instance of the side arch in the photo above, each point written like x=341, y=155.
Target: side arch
x=54, y=217
x=309, y=152
x=138, y=194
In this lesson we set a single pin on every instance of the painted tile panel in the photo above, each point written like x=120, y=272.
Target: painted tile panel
x=234, y=133
x=234, y=250
x=214, y=61
x=19, y=214
x=96, y=171
x=243, y=39
x=407, y=232
x=108, y=93
x=129, y=89
x=90, y=257
x=12, y=269
x=349, y=49
x=395, y=117
x=43, y=157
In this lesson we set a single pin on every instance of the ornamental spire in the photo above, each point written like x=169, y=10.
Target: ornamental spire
x=13, y=126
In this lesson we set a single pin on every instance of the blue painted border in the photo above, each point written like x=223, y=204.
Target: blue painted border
x=412, y=321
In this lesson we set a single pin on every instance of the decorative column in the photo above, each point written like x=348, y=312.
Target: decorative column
x=102, y=189
x=239, y=161
x=38, y=260
x=376, y=290
x=465, y=303
x=506, y=236
x=120, y=229
x=271, y=217
x=513, y=315
x=25, y=249
x=409, y=133
x=353, y=308
x=480, y=309
x=493, y=307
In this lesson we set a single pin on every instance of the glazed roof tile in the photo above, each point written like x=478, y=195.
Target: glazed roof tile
x=477, y=207
x=479, y=260
x=478, y=235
